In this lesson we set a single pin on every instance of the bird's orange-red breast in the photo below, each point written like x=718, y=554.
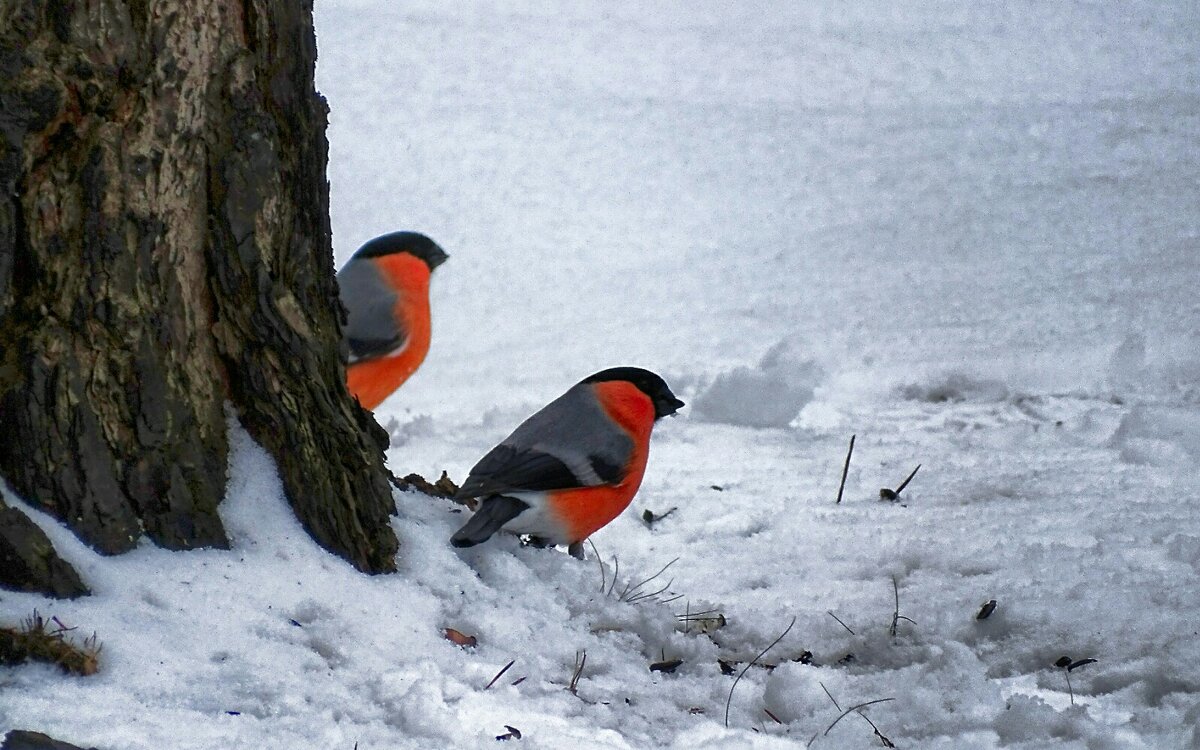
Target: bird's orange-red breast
x=572, y=467
x=588, y=509
x=385, y=290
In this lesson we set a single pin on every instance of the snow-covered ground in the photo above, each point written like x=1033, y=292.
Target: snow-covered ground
x=968, y=233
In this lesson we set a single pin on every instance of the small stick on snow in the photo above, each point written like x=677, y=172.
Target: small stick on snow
x=835, y=703
x=846, y=470
x=599, y=561
x=907, y=480
x=579, y=662
x=839, y=622
x=850, y=710
x=500, y=673
x=896, y=616
x=751, y=664
x=884, y=740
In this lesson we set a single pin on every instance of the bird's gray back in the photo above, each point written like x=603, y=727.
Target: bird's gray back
x=371, y=328
x=575, y=429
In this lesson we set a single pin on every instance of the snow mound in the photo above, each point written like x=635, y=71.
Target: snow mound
x=769, y=395
x=1159, y=435
x=1158, y=367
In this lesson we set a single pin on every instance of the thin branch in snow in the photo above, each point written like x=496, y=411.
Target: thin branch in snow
x=753, y=661
x=600, y=562
x=500, y=673
x=884, y=740
x=908, y=479
x=835, y=703
x=852, y=709
x=846, y=469
x=896, y=616
x=580, y=660
x=886, y=494
x=839, y=622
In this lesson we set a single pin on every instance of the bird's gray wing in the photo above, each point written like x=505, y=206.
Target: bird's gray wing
x=371, y=327
x=570, y=443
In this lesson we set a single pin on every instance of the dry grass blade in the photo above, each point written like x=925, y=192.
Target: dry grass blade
x=500, y=673
x=600, y=562
x=35, y=641
x=633, y=592
x=580, y=660
x=652, y=595
x=852, y=709
x=846, y=469
x=882, y=739
x=896, y=616
x=835, y=703
x=839, y=622
x=706, y=621
x=754, y=661
x=908, y=479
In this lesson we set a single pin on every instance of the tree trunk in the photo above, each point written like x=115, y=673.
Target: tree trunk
x=165, y=248
x=28, y=561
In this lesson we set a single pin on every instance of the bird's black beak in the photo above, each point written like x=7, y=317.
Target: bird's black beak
x=668, y=407
x=437, y=260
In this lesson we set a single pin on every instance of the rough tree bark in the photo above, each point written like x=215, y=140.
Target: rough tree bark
x=164, y=249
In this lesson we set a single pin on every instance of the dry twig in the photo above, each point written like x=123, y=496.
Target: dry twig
x=839, y=622
x=853, y=709
x=500, y=674
x=580, y=660
x=896, y=616
x=753, y=661
x=846, y=469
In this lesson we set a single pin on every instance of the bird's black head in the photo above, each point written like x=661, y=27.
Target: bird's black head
x=413, y=243
x=665, y=402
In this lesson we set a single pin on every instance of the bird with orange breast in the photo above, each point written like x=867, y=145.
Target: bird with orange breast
x=385, y=290
x=573, y=466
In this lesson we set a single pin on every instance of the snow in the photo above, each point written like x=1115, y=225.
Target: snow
x=965, y=233
x=771, y=394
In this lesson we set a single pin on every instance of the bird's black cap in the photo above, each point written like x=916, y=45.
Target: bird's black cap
x=413, y=243
x=665, y=402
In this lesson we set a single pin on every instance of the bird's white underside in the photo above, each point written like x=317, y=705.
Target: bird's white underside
x=536, y=520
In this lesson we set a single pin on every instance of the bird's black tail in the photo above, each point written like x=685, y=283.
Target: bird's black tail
x=494, y=512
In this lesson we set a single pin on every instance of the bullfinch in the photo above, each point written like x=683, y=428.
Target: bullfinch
x=385, y=290
x=572, y=467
